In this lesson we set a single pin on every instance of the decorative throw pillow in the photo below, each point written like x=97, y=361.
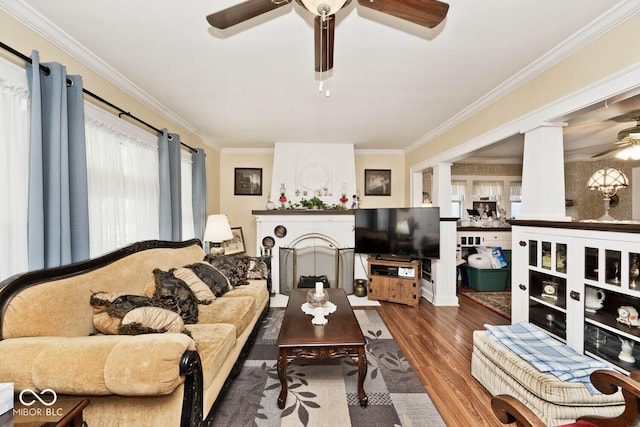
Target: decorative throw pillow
x=234, y=267
x=116, y=313
x=175, y=295
x=257, y=268
x=200, y=289
x=145, y=320
x=217, y=282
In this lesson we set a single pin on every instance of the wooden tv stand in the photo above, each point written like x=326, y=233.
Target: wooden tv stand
x=394, y=280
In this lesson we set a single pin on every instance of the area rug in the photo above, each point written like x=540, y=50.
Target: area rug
x=499, y=302
x=323, y=393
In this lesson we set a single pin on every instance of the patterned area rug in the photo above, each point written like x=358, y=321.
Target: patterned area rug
x=323, y=393
x=500, y=302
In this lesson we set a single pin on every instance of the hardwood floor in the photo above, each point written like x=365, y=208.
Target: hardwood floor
x=438, y=343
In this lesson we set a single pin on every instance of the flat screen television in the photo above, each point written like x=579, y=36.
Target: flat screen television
x=412, y=233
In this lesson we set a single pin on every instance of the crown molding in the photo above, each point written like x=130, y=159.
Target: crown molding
x=35, y=21
x=587, y=34
x=245, y=151
x=493, y=160
x=381, y=153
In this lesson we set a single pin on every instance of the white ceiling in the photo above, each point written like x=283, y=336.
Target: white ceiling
x=393, y=84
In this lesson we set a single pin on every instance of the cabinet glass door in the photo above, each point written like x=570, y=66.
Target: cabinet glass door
x=591, y=261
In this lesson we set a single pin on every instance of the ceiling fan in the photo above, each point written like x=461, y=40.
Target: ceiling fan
x=426, y=13
x=628, y=139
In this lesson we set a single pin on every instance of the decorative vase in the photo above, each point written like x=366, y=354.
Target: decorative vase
x=360, y=288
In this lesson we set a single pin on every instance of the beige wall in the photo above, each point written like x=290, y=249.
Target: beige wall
x=588, y=204
x=238, y=208
x=382, y=160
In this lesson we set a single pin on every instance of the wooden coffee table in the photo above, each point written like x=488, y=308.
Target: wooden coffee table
x=299, y=339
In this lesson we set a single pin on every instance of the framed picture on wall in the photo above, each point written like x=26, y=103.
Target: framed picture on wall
x=377, y=182
x=236, y=245
x=485, y=207
x=247, y=182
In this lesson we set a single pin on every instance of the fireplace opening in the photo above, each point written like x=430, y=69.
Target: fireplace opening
x=315, y=258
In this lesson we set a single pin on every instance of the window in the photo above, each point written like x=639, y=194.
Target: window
x=458, y=189
x=187, y=203
x=122, y=171
x=14, y=167
x=122, y=166
x=515, y=198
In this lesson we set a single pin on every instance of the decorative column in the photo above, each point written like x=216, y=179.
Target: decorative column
x=442, y=291
x=543, y=196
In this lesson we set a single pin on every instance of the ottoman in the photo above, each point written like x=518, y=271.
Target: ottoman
x=556, y=402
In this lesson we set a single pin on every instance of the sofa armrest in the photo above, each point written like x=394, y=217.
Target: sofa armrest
x=126, y=365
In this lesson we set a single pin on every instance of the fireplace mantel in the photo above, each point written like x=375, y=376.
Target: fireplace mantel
x=285, y=228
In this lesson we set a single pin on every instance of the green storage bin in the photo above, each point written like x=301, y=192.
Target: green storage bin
x=488, y=279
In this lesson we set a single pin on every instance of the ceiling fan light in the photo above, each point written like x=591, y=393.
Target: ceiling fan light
x=629, y=134
x=329, y=7
x=624, y=154
x=632, y=152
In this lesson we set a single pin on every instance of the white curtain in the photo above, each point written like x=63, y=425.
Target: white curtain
x=187, y=202
x=458, y=189
x=491, y=189
x=14, y=167
x=515, y=191
x=122, y=163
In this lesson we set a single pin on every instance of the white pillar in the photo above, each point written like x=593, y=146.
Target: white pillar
x=442, y=188
x=443, y=270
x=543, y=196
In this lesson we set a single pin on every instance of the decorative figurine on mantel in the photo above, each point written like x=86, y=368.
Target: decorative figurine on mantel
x=355, y=201
x=270, y=205
x=283, y=198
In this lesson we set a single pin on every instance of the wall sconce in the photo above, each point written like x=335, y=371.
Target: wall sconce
x=217, y=231
x=608, y=181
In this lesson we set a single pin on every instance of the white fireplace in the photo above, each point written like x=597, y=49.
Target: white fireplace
x=328, y=230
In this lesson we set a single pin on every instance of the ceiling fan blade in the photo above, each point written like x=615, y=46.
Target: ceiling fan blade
x=613, y=148
x=427, y=13
x=243, y=12
x=323, y=42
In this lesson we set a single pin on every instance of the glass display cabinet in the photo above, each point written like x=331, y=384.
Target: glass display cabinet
x=580, y=282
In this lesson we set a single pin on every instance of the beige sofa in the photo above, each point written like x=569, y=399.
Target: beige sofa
x=48, y=340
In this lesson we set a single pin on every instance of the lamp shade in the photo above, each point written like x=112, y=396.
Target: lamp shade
x=608, y=181
x=217, y=229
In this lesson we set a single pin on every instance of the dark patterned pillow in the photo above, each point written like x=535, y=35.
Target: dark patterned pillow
x=119, y=305
x=175, y=295
x=214, y=278
x=257, y=268
x=234, y=267
x=132, y=314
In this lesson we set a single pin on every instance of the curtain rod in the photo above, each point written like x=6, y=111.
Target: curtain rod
x=121, y=112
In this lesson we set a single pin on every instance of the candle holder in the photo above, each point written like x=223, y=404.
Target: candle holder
x=316, y=299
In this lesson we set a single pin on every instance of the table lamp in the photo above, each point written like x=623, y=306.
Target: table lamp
x=216, y=232
x=608, y=181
